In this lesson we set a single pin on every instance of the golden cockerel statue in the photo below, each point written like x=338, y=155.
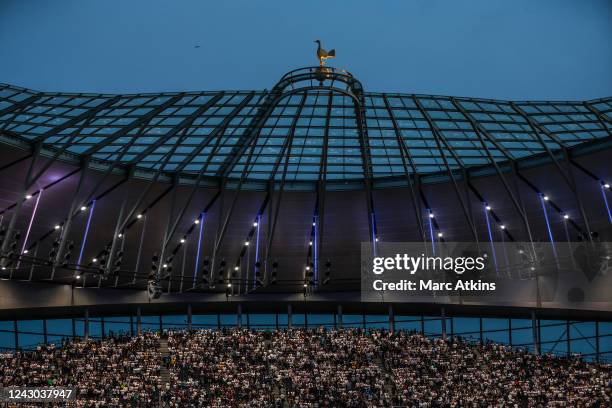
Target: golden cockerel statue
x=324, y=55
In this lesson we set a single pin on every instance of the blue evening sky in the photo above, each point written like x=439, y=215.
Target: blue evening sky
x=512, y=49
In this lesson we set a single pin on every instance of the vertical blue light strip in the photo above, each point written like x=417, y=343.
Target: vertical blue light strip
x=433, y=243
x=25, y=240
x=256, y=251
x=603, y=193
x=373, y=221
x=93, y=206
x=316, y=252
x=550, y=235
x=491, y=237
x=197, y=261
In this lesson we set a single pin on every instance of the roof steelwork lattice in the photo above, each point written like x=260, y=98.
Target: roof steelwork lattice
x=310, y=129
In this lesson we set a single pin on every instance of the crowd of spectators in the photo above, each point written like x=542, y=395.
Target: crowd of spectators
x=306, y=368
x=117, y=371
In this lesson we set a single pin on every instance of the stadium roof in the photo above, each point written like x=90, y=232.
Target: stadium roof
x=299, y=132
x=316, y=127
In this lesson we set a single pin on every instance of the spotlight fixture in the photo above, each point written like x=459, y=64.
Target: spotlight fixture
x=165, y=265
x=139, y=216
x=83, y=208
x=78, y=277
x=246, y=243
x=57, y=227
x=502, y=226
x=376, y=239
x=488, y=207
x=566, y=216
x=607, y=185
x=307, y=268
x=27, y=197
x=182, y=240
x=197, y=221
x=25, y=251
x=431, y=215
x=119, y=235
x=4, y=268
x=310, y=243
x=94, y=260
x=236, y=268
x=314, y=224
x=545, y=198
x=305, y=285
x=229, y=285
x=255, y=224
x=440, y=235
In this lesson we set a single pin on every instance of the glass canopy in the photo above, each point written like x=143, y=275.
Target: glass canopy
x=306, y=135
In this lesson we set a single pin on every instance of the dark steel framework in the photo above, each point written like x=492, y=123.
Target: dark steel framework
x=359, y=135
x=316, y=130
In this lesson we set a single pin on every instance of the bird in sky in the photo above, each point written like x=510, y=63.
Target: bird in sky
x=323, y=55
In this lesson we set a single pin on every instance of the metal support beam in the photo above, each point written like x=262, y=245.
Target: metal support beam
x=439, y=139
x=407, y=156
x=86, y=324
x=19, y=107
x=189, y=317
x=480, y=131
x=535, y=332
x=14, y=162
x=443, y=321
x=138, y=321
x=142, y=120
x=569, y=179
x=286, y=148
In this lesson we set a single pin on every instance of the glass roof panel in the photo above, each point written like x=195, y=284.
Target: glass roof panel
x=307, y=135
